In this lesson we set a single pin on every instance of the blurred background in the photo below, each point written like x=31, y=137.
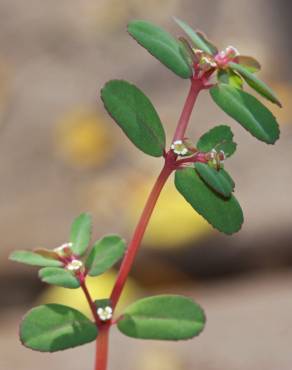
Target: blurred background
x=60, y=154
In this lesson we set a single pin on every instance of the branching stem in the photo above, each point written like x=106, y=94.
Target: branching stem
x=169, y=166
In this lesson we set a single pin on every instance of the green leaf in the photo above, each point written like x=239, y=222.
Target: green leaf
x=161, y=45
x=104, y=254
x=80, y=234
x=198, y=39
x=53, y=327
x=249, y=63
x=135, y=115
x=59, y=276
x=256, y=83
x=219, y=138
x=219, y=181
x=34, y=259
x=223, y=214
x=248, y=111
x=166, y=317
x=229, y=77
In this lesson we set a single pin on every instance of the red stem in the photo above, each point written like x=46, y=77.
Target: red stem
x=90, y=302
x=196, y=86
x=139, y=232
x=102, y=347
x=170, y=164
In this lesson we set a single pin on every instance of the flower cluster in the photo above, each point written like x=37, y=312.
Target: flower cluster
x=206, y=62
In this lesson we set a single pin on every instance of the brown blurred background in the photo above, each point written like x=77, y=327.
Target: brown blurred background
x=61, y=155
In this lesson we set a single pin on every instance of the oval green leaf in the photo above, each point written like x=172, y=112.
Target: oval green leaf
x=80, y=234
x=161, y=45
x=248, y=111
x=59, y=276
x=104, y=254
x=223, y=214
x=53, y=327
x=34, y=259
x=219, y=181
x=198, y=39
x=255, y=83
x=165, y=317
x=218, y=138
x=135, y=115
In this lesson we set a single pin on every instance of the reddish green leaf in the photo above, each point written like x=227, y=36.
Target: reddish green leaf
x=34, y=259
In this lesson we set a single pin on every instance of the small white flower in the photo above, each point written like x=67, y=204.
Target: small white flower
x=63, y=247
x=179, y=147
x=105, y=313
x=74, y=265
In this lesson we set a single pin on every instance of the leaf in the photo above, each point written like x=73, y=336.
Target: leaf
x=161, y=45
x=218, y=138
x=135, y=115
x=34, y=259
x=249, y=63
x=80, y=234
x=104, y=254
x=219, y=181
x=59, y=276
x=166, y=317
x=53, y=327
x=256, y=83
x=187, y=51
x=51, y=254
x=248, y=111
x=223, y=214
x=229, y=77
x=198, y=39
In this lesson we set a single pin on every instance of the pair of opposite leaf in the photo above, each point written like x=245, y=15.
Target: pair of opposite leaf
x=227, y=93
x=63, y=266
x=55, y=327
x=208, y=191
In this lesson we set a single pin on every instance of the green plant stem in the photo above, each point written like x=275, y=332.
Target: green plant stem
x=170, y=165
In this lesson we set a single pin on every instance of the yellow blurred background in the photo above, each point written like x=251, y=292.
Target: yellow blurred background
x=60, y=154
